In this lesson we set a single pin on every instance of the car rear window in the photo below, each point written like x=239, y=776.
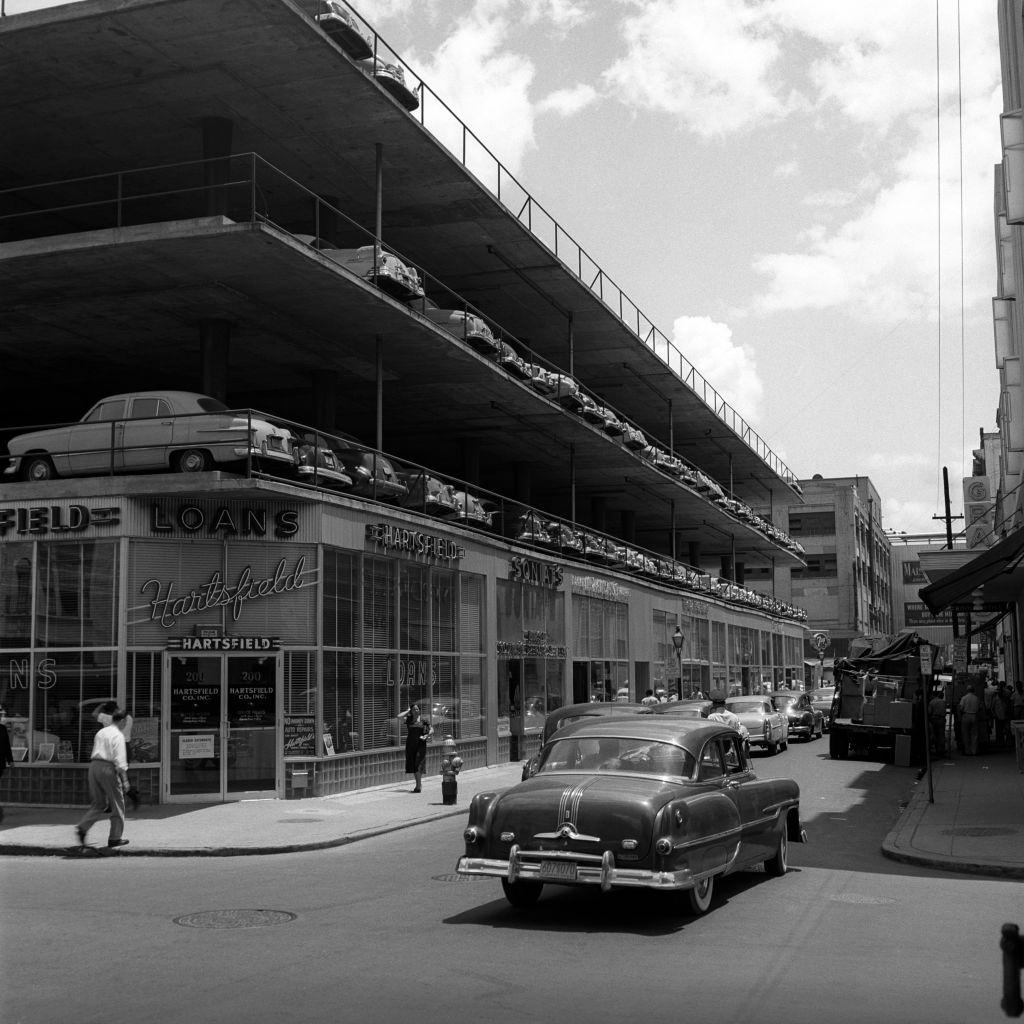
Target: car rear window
x=746, y=705
x=615, y=754
x=210, y=404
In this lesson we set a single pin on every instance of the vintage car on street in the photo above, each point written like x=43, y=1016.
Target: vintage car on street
x=634, y=802
x=144, y=431
x=768, y=727
x=804, y=718
x=389, y=273
x=822, y=699
x=340, y=24
x=316, y=463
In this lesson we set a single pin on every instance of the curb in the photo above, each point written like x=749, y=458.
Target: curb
x=13, y=850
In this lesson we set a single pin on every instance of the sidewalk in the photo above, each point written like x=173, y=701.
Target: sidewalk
x=975, y=825
x=253, y=826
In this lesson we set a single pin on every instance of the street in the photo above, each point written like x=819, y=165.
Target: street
x=383, y=930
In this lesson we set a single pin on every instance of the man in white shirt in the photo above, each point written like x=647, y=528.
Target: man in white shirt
x=108, y=779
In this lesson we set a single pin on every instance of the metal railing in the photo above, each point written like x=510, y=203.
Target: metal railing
x=437, y=118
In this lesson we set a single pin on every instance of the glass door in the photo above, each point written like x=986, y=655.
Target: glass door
x=251, y=765
x=222, y=725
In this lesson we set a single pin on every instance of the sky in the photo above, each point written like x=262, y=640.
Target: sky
x=798, y=192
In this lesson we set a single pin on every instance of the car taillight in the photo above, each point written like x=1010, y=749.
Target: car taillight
x=767, y=727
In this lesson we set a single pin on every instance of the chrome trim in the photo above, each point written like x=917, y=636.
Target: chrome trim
x=568, y=831
x=594, y=873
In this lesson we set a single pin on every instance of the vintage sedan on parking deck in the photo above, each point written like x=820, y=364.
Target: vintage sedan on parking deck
x=340, y=24
x=768, y=727
x=143, y=431
x=631, y=802
x=804, y=718
x=373, y=475
x=317, y=464
x=387, y=271
x=466, y=326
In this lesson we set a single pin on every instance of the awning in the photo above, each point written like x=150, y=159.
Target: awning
x=997, y=572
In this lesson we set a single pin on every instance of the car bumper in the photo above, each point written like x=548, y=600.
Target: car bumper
x=602, y=872
x=13, y=465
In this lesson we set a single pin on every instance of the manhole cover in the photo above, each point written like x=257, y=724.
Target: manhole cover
x=234, y=918
x=980, y=830
x=463, y=878
x=853, y=897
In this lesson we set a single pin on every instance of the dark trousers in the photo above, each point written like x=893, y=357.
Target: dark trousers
x=104, y=788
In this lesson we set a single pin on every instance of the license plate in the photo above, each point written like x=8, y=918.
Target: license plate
x=558, y=870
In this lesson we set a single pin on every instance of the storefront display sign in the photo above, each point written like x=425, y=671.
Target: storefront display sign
x=192, y=747
x=595, y=587
x=300, y=736
x=536, y=574
x=222, y=520
x=167, y=607
x=414, y=542
x=535, y=644
x=35, y=520
x=223, y=643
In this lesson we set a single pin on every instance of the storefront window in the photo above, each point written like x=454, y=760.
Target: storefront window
x=421, y=643
x=600, y=658
x=531, y=654
x=58, y=631
x=142, y=702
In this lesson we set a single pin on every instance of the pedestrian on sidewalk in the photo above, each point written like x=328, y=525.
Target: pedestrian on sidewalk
x=105, y=715
x=6, y=754
x=969, y=708
x=418, y=731
x=108, y=780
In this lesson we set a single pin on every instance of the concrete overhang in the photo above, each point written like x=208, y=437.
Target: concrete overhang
x=108, y=85
x=143, y=290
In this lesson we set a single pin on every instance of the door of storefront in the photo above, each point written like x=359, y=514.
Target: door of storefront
x=221, y=727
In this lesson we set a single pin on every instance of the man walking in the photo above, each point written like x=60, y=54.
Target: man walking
x=969, y=706
x=108, y=779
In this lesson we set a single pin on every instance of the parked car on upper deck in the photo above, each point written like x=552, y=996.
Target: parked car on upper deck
x=391, y=78
x=768, y=727
x=427, y=493
x=389, y=273
x=466, y=326
x=804, y=718
x=317, y=464
x=373, y=474
x=340, y=24
x=628, y=802
x=143, y=431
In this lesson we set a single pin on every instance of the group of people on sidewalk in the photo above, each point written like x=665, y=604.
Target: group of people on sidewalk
x=983, y=719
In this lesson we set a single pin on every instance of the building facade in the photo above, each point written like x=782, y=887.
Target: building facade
x=247, y=211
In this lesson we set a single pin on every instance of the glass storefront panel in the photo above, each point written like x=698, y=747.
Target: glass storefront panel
x=600, y=656
x=531, y=654
x=142, y=701
x=76, y=595
x=16, y=596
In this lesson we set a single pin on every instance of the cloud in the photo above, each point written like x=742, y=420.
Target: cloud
x=568, y=101
x=707, y=62
x=731, y=369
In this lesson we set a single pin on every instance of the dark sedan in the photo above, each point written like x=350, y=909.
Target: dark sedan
x=822, y=698
x=804, y=718
x=634, y=802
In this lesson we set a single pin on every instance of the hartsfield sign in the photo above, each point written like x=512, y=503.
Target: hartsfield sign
x=414, y=542
x=37, y=520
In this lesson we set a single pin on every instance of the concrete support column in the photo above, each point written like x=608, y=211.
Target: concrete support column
x=325, y=400
x=629, y=526
x=470, y=452
x=522, y=483
x=217, y=132
x=214, y=343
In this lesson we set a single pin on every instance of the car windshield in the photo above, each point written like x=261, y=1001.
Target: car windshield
x=615, y=754
x=739, y=706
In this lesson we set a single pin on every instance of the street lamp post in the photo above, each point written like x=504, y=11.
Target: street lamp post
x=677, y=643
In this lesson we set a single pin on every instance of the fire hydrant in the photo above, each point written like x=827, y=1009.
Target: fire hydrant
x=451, y=765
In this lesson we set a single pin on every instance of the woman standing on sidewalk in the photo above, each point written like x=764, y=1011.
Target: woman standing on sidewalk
x=418, y=732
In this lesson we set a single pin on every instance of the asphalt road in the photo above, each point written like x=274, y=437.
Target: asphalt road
x=383, y=931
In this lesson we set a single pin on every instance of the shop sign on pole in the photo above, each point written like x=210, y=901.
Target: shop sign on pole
x=926, y=659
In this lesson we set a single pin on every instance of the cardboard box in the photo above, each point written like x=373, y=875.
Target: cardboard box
x=901, y=714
